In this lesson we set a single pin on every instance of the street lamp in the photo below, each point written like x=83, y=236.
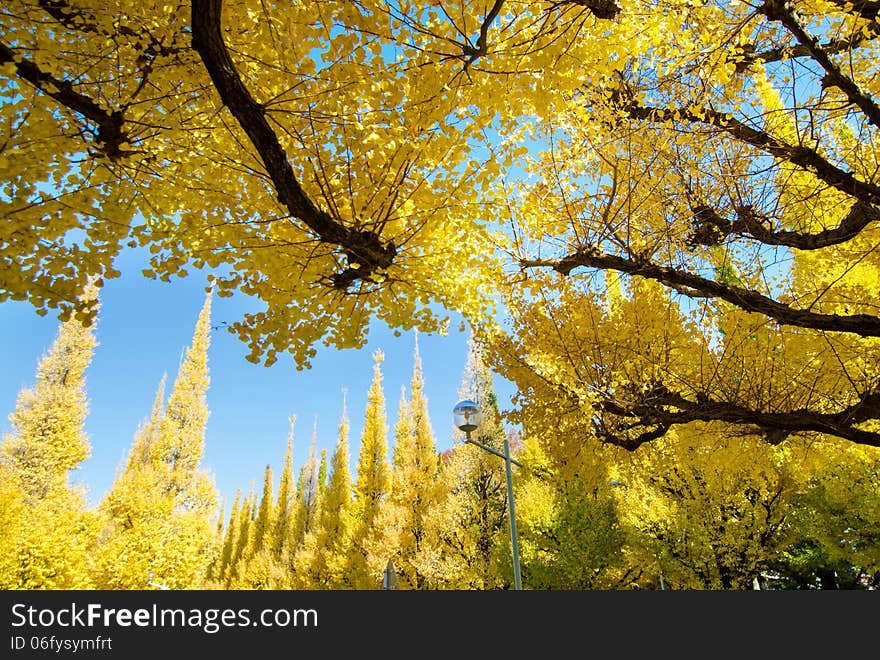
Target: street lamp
x=157, y=585
x=467, y=418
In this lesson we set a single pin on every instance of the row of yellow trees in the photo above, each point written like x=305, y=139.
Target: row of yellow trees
x=699, y=508
x=158, y=514
x=162, y=518
x=439, y=518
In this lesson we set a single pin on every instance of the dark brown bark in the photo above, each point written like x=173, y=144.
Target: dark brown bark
x=782, y=11
x=864, y=325
x=473, y=53
x=109, y=123
x=648, y=415
x=804, y=157
x=868, y=9
x=710, y=228
x=782, y=53
x=365, y=250
x=605, y=9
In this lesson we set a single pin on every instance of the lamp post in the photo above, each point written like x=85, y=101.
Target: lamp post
x=157, y=585
x=467, y=418
x=389, y=579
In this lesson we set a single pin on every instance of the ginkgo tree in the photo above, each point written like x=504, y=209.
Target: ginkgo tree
x=699, y=238
x=305, y=151
x=342, y=162
x=46, y=528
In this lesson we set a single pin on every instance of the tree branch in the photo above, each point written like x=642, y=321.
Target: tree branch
x=864, y=325
x=868, y=9
x=599, y=8
x=638, y=415
x=711, y=227
x=781, y=11
x=750, y=55
x=660, y=408
x=78, y=20
x=804, y=157
x=110, y=136
x=364, y=249
x=473, y=53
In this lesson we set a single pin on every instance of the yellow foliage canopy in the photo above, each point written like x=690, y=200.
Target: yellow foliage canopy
x=349, y=161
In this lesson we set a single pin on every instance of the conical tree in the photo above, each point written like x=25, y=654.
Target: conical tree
x=306, y=502
x=148, y=433
x=373, y=473
x=13, y=521
x=48, y=439
x=44, y=523
x=370, y=543
x=159, y=514
x=179, y=447
x=322, y=481
x=211, y=576
x=403, y=442
x=245, y=521
x=415, y=479
x=260, y=569
x=282, y=515
x=223, y=560
x=263, y=525
x=322, y=560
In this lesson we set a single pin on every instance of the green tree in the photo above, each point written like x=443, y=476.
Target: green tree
x=570, y=532
x=835, y=520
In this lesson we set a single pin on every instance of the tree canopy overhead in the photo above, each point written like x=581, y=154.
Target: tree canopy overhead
x=675, y=202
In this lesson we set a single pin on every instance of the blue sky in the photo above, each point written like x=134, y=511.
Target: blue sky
x=144, y=327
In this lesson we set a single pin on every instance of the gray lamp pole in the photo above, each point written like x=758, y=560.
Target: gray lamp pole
x=389, y=579
x=467, y=418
